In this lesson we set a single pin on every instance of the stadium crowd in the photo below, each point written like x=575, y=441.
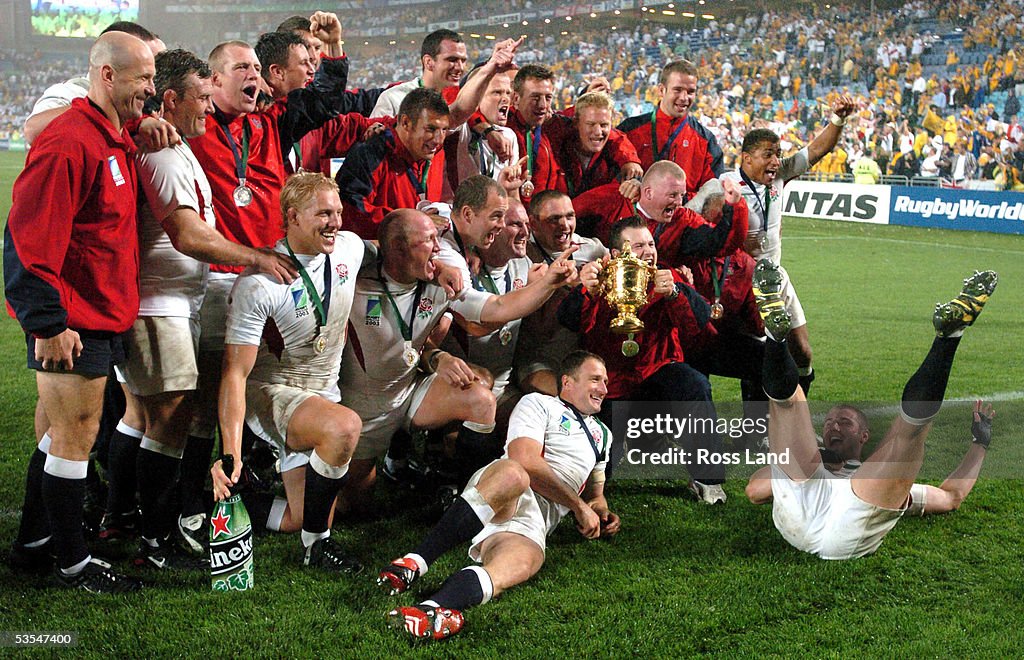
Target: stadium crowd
x=778, y=70
x=323, y=270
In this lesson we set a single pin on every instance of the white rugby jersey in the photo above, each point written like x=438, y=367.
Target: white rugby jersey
x=567, y=449
x=170, y=283
x=374, y=375
x=490, y=351
x=790, y=168
x=281, y=319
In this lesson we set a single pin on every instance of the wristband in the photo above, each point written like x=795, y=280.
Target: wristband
x=838, y=121
x=487, y=131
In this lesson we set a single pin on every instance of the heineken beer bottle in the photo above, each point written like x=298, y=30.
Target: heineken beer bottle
x=230, y=544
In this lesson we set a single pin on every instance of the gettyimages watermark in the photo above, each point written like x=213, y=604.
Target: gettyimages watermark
x=696, y=440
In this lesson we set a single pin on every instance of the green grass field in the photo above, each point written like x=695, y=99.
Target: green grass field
x=681, y=578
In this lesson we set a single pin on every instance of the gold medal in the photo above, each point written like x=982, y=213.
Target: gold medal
x=526, y=190
x=763, y=241
x=629, y=347
x=410, y=355
x=717, y=310
x=320, y=344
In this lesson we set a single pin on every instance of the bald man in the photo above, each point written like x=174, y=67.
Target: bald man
x=71, y=268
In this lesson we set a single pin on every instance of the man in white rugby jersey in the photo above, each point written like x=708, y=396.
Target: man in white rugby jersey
x=554, y=465
x=282, y=351
x=386, y=376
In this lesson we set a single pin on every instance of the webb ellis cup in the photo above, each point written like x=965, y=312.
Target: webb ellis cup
x=624, y=285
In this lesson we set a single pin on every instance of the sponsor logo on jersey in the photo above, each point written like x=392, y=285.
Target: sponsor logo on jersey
x=115, y=171
x=565, y=425
x=425, y=308
x=373, y=312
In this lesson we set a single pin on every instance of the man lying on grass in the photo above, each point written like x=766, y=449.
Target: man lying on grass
x=837, y=518
x=553, y=465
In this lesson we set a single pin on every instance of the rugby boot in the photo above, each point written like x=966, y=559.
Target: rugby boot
x=424, y=622
x=951, y=318
x=398, y=576
x=768, y=292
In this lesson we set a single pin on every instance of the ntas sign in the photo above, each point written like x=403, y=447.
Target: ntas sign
x=837, y=201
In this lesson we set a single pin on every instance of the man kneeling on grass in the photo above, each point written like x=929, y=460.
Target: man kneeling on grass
x=837, y=518
x=553, y=465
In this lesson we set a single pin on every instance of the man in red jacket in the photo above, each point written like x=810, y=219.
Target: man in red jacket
x=679, y=232
x=587, y=155
x=71, y=269
x=650, y=365
x=670, y=132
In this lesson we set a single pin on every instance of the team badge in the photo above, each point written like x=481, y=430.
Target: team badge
x=373, y=312
x=518, y=283
x=425, y=308
x=256, y=123
x=342, y=271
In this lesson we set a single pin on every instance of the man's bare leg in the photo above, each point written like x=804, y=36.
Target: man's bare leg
x=886, y=476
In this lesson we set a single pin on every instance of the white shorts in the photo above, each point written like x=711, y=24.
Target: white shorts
x=213, y=315
x=377, y=431
x=824, y=517
x=161, y=355
x=268, y=411
x=535, y=518
x=796, y=311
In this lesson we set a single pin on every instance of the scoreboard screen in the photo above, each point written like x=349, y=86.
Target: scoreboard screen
x=79, y=18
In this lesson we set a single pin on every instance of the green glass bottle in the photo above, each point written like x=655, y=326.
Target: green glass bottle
x=231, y=546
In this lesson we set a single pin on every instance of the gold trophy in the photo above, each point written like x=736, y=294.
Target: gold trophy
x=624, y=285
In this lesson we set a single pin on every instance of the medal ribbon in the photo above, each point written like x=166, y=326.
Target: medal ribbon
x=532, y=147
x=719, y=280
x=403, y=327
x=767, y=199
x=488, y=282
x=321, y=307
x=421, y=184
x=599, y=453
x=662, y=154
x=241, y=159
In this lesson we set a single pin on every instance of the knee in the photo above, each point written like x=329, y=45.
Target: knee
x=480, y=404
x=509, y=478
x=341, y=429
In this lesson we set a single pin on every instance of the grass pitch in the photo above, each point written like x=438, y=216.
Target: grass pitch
x=681, y=578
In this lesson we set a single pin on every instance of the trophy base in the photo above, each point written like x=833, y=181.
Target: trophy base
x=626, y=323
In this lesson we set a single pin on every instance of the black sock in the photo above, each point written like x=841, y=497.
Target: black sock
x=319, y=497
x=460, y=591
x=34, y=524
x=157, y=477
x=779, y=372
x=473, y=450
x=121, y=469
x=64, y=500
x=401, y=445
x=923, y=393
x=258, y=505
x=805, y=382
x=458, y=524
x=195, y=465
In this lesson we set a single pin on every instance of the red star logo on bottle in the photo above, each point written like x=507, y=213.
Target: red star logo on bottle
x=220, y=524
